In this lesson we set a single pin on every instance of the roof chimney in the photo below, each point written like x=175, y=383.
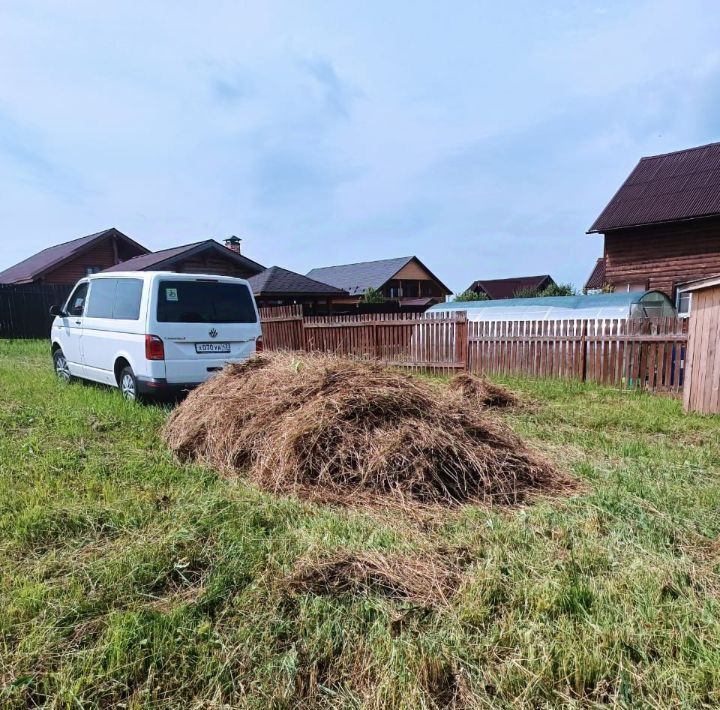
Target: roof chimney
x=233, y=243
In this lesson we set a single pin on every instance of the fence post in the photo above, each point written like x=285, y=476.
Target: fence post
x=583, y=352
x=461, y=340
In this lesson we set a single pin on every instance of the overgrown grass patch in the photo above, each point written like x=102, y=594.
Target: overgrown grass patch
x=128, y=579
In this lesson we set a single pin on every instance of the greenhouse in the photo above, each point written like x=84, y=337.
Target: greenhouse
x=635, y=304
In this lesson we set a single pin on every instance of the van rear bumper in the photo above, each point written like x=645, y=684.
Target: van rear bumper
x=160, y=386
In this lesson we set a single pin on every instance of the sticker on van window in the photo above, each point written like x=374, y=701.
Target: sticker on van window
x=171, y=294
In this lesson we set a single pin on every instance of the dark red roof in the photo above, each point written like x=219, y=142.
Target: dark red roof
x=507, y=288
x=596, y=280
x=164, y=259
x=277, y=281
x=37, y=264
x=664, y=188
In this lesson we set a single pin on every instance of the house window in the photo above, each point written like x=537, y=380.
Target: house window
x=683, y=302
x=90, y=270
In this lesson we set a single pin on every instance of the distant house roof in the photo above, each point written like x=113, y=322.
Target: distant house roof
x=36, y=265
x=663, y=188
x=165, y=258
x=507, y=288
x=277, y=281
x=358, y=278
x=596, y=280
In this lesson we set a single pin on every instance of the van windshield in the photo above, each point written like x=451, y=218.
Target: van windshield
x=204, y=302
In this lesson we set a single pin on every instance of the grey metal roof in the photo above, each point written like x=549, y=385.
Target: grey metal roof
x=357, y=278
x=34, y=266
x=662, y=188
x=277, y=280
x=165, y=257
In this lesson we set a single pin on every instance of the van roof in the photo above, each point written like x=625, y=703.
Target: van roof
x=151, y=275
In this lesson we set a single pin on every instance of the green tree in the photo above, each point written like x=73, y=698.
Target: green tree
x=551, y=290
x=372, y=295
x=470, y=295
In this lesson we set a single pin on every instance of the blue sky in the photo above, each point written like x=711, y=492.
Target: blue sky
x=482, y=137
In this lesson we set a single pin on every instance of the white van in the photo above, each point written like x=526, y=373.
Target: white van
x=152, y=332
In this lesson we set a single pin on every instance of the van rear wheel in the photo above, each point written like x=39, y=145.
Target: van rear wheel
x=128, y=384
x=62, y=369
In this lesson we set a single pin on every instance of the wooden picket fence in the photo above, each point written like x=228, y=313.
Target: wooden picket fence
x=436, y=343
x=624, y=353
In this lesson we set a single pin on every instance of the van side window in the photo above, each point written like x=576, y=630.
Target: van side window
x=127, y=299
x=76, y=302
x=102, y=296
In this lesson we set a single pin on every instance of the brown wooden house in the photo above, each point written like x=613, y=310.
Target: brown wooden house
x=64, y=264
x=508, y=288
x=662, y=227
x=206, y=257
x=405, y=280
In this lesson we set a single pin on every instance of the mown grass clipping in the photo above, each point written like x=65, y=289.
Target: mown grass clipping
x=347, y=431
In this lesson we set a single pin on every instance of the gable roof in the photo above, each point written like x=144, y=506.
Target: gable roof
x=277, y=280
x=596, y=279
x=158, y=260
x=357, y=278
x=34, y=266
x=663, y=188
x=507, y=288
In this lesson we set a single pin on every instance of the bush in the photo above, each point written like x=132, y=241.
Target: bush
x=470, y=295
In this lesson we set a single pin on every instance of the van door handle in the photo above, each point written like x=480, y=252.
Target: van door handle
x=78, y=322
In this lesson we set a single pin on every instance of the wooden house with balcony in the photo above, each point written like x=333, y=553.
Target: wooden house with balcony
x=406, y=281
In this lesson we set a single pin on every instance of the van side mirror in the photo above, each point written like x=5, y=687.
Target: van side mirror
x=57, y=311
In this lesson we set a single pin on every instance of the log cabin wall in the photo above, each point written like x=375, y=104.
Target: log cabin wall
x=100, y=256
x=212, y=265
x=662, y=256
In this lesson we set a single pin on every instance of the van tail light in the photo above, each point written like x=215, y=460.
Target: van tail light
x=259, y=346
x=154, y=348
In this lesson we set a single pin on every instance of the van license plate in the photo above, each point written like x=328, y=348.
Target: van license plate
x=212, y=347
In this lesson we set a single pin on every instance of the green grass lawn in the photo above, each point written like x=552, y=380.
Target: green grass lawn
x=127, y=580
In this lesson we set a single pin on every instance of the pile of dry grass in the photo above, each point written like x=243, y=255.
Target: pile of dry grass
x=483, y=392
x=424, y=580
x=336, y=429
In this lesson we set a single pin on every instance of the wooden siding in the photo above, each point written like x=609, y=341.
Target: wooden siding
x=101, y=255
x=413, y=270
x=702, y=386
x=659, y=257
x=212, y=265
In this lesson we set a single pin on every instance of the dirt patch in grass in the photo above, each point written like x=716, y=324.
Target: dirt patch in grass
x=425, y=580
x=339, y=430
x=481, y=391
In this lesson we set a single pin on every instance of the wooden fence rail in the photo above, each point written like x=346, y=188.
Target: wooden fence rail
x=623, y=353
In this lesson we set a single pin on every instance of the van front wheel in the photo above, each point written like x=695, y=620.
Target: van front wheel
x=62, y=369
x=128, y=384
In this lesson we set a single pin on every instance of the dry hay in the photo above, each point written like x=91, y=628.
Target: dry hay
x=424, y=580
x=483, y=392
x=342, y=430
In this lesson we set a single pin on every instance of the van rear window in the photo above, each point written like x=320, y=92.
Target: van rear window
x=204, y=302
